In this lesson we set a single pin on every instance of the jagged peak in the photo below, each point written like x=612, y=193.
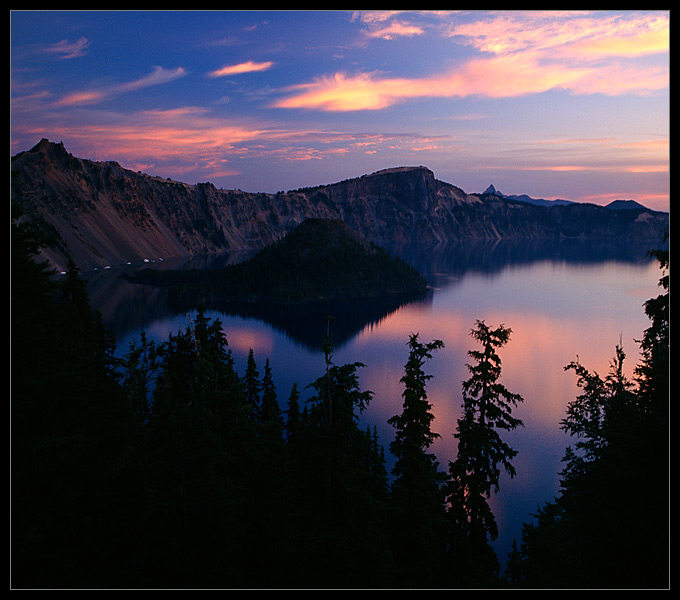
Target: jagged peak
x=45, y=146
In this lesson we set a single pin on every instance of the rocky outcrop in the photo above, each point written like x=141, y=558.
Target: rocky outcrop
x=100, y=214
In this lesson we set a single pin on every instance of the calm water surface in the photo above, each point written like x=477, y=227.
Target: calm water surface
x=561, y=302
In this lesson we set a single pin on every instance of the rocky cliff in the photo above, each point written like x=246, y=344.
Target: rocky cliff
x=100, y=214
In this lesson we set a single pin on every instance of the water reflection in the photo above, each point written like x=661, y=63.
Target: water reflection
x=562, y=301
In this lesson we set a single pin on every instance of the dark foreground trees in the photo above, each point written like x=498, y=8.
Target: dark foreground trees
x=609, y=526
x=417, y=501
x=166, y=468
x=475, y=473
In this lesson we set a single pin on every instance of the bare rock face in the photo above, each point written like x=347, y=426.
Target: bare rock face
x=100, y=214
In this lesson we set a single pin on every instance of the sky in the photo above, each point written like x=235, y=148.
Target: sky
x=552, y=104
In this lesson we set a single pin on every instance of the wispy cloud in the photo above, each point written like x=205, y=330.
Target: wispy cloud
x=575, y=34
x=65, y=49
x=396, y=29
x=202, y=144
x=245, y=67
x=158, y=76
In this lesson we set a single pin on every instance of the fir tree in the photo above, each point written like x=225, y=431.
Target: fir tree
x=270, y=411
x=487, y=408
x=597, y=533
x=416, y=494
x=338, y=479
x=252, y=384
x=293, y=415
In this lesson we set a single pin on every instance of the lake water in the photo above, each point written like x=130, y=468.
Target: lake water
x=562, y=302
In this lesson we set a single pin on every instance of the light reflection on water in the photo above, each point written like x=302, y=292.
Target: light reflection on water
x=558, y=309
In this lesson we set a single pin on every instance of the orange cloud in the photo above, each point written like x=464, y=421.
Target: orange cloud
x=639, y=44
x=525, y=54
x=499, y=77
x=246, y=67
x=569, y=33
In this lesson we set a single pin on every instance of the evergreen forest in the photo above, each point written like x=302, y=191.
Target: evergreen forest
x=167, y=468
x=319, y=259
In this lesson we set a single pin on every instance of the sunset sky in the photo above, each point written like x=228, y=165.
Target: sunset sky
x=553, y=104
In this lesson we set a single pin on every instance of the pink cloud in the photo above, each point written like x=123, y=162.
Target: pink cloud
x=65, y=49
x=523, y=54
x=396, y=29
x=246, y=67
x=158, y=76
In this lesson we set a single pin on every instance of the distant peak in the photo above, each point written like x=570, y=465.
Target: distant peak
x=46, y=147
x=490, y=190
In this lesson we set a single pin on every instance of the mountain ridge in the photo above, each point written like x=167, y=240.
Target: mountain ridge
x=491, y=190
x=101, y=214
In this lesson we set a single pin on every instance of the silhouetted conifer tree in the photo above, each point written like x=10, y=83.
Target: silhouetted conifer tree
x=252, y=385
x=416, y=490
x=68, y=429
x=598, y=533
x=487, y=408
x=339, y=481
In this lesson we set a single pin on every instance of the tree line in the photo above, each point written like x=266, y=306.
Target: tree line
x=166, y=468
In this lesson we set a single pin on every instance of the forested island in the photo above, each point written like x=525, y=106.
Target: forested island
x=169, y=469
x=320, y=259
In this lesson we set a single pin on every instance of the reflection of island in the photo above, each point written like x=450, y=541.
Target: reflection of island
x=306, y=324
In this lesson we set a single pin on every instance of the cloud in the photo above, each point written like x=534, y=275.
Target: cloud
x=575, y=34
x=66, y=50
x=158, y=76
x=246, y=67
x=497, y=77
x=519, y=54
x=396, y=29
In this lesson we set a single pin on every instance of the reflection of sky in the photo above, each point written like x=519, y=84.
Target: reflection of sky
x=557, y=312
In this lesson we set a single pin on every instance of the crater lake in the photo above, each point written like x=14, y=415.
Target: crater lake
x=562, y=301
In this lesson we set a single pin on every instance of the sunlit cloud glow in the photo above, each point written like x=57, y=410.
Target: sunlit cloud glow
x=528, y=55
x=246, y=67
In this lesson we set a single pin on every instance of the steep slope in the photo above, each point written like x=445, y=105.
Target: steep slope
x=99, y=213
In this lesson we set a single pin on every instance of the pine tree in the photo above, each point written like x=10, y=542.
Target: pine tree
x=69, y=451
x=202, y=464
x=293, y=416
x=598, y=532
x=338, y=479
x=252, y=385
x=416, y=492
x=270, y=411
x=652, y=374
x=487, y=408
